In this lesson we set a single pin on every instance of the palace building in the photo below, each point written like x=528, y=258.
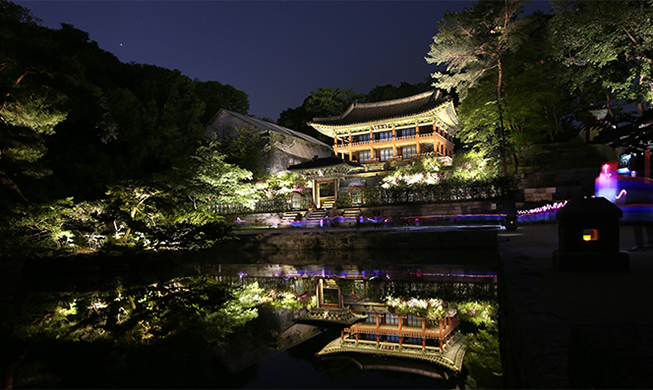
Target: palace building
x=393, y=130
x=280, y=147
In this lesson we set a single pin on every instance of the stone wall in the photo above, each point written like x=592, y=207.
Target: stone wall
x=351, y=240
x=409, y=210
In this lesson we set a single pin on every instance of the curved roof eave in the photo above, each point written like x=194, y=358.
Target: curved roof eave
x=450, y=119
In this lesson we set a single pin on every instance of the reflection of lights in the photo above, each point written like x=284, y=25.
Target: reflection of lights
x=241, y=274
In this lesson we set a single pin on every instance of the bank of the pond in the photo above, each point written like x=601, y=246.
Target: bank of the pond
x=572, y=329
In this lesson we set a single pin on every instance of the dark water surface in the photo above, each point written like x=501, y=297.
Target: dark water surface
x=292, y=368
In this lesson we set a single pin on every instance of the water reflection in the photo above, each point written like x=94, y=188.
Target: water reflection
x=273, y=348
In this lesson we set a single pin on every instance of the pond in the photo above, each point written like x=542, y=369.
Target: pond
x=214, y=324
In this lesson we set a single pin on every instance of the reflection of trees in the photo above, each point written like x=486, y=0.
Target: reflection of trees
x=126, y=335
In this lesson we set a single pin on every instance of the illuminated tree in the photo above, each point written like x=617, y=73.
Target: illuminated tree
x=30, y=104
x=205, y=179
x=609, y=43
x=474, y=46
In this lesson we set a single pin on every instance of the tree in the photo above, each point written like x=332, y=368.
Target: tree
x=216, y=95
x=323, y=102
x=30, y=104
x=388, y=92
x=475, y=46
x=206, y=179
x=609, y=43
x=244, y=150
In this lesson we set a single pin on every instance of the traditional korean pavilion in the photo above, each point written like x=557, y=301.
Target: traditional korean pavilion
x=396, y=129
x=326, y=170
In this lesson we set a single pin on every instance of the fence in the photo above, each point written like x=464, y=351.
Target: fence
x=449, y=191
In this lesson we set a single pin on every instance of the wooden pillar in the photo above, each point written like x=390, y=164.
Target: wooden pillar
x=394, y=142
x=401, y=333
x=418, y=148
x=342, y=335
x=356, y=337
x=350, y=146
x=319, y=292
x=435, y=138
x=440, y=336
x=377, y=329
x=316, y=194
x=423, y=333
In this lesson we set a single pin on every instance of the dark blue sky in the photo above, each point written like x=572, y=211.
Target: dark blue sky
x=275, y=51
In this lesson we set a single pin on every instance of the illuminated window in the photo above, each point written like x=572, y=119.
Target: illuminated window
x=364, y=138
x=385, y=135
x=407, y=132
x=408, y=151
x=364, y=156
x=391, y=320
x=385, y=154
x=414, y=321
x=590, y=235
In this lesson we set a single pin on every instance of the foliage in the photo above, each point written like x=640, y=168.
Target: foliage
x=433, y=310
x=511, y=92
x=482, y=357
x=473, y=44
x=282, y=184
x=423, y=171
x=207, y=179
x=609, y=43
x=30, y=102
x=245, y=150
x=44, y=226
x=216, y=95
x=388, y=92
x=444, y=191
x=482, y=314
x=322, y=102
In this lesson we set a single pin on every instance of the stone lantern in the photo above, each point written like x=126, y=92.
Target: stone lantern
x=588, y=237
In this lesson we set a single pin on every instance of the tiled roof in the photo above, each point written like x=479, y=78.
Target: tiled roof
x=369, y=112
x=263, y=125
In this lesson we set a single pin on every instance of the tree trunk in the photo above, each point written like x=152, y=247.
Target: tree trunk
x=11, y=368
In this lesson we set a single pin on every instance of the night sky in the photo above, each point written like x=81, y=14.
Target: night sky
x=275, y=51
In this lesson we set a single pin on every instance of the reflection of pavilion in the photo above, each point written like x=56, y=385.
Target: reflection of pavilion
x=370, y=328
x=403, y=336
x=330, y=309
x=325, y=175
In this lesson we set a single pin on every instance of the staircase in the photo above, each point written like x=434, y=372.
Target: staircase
x=351, y=213
x=292, y=216
x=315, y=215
x=328, y=202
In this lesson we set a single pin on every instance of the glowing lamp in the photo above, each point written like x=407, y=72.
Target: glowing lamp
x=588, y=237
x=590, y=234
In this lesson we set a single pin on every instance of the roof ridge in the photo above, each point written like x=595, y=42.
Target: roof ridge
x=402, y=100
x=435, y=94
x=260, y=123
x=344, y=114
